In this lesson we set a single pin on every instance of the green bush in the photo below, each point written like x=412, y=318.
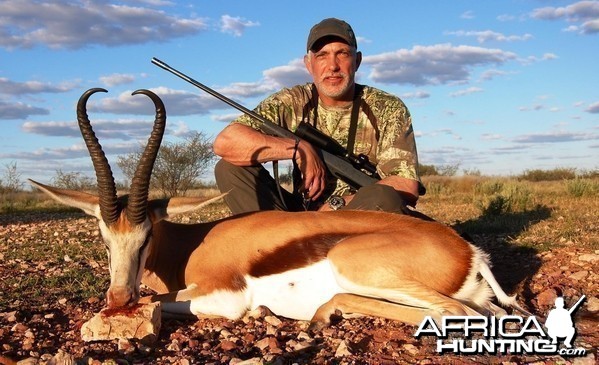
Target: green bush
x=494, y=198
x=582, y=187
x=488, y=187
x=548, y=175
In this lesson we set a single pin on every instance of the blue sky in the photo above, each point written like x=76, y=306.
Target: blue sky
x=495, y=86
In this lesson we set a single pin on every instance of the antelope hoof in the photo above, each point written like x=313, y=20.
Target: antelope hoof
x=317, y=326
x=319, y=321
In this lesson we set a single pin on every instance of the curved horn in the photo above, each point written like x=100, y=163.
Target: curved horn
x=106, y=187
x=140, y=186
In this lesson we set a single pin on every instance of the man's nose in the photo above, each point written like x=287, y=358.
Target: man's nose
x=333, y=64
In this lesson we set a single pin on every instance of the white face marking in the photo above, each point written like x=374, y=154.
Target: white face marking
x=125, y=261
x=295, y=294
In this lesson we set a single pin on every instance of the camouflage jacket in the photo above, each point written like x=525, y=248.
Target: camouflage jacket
x=384, y=132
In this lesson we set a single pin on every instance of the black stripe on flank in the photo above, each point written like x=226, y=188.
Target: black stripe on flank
x=294, y=254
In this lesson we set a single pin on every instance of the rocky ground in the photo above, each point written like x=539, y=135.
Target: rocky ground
x=46, y=330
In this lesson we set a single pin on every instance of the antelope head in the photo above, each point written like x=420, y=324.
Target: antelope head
x=125, y=222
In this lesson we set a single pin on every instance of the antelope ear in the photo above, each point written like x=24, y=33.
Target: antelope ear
x=164, y=208
x=89, y=203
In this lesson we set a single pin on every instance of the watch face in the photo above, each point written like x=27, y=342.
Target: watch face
x=336, y=202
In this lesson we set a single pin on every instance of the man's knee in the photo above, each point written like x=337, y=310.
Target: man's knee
x=378, y=197
x=224, y=170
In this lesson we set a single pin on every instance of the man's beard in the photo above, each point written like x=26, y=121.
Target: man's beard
x=334, y=91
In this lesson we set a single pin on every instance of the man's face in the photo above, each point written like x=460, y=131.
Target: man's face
x=333, y=67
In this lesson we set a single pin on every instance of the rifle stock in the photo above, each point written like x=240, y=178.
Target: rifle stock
x=338, y=166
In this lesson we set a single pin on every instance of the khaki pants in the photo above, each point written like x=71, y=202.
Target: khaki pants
x=252, y=188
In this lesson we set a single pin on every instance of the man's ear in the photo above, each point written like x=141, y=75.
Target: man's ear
x=358, y=59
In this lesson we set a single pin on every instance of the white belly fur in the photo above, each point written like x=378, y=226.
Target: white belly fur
x=295, y=294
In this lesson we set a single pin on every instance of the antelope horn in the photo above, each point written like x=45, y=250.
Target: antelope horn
x=140, y=185
x=106, y=187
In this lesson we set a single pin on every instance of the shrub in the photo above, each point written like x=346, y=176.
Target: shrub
x=548, y=175
x=582, y=187
x=489, y=187
x=494, y=198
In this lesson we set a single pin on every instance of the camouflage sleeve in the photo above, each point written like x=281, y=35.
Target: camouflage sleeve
x=278, y=108
x=397, y=153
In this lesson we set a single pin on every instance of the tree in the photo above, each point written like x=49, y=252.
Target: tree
x=11, y=182
x=177, y=166
x=73, y=181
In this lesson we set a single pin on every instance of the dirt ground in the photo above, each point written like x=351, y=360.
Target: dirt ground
x=46, y=330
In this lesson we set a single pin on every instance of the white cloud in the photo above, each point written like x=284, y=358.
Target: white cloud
x=468, y=91
x=488, y=35
x=467, y=15
x=117, y=79
x=555, y=137
x=491, y=74
x=593, y=108
x=432, y=65
x=79, y=24
x=585, y=15
x=177, y=103
x=32, y=87
x=16, y=111
x=235, y=25
x=418, y=94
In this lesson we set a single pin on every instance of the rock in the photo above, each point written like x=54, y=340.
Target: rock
x=587, y=360
x=227, y=345
x=546, y=298
x=273, y=321
x=263, y=343
x=141, y=322
x=593, y=304
x=411, y=349
x=19, y=327
x=342, y=350
x=588, y=257
x=580, y=275
x=62, y=358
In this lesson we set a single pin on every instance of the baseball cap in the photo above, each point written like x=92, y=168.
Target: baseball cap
x=332, y=27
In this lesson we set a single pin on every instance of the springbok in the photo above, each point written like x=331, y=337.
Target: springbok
x=304, y=266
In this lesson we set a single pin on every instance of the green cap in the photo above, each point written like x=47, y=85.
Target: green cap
x=332, y=27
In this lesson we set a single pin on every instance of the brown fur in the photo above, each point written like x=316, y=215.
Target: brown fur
x=295, y=254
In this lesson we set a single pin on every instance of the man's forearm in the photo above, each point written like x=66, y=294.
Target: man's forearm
x=244, y=146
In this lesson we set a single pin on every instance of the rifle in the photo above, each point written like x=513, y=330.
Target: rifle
x=343, y=166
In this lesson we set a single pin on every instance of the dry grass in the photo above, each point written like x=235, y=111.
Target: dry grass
x=548, y=215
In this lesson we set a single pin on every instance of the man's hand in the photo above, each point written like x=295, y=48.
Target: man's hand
x=312, y=169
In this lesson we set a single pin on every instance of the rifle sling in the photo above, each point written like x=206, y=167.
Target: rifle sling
x=353, y=123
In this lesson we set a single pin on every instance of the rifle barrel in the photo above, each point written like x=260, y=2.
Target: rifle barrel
x=210, y=91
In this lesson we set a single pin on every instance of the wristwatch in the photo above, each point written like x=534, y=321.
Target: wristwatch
x=336, y=202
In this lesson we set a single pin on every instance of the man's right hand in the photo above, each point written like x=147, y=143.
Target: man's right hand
x=313, y=170
x=244, y=146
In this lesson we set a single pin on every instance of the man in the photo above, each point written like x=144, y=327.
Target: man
x=383, y=133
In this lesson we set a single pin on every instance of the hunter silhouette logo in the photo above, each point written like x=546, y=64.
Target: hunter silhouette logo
x=559, y=321
x=506, y=334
